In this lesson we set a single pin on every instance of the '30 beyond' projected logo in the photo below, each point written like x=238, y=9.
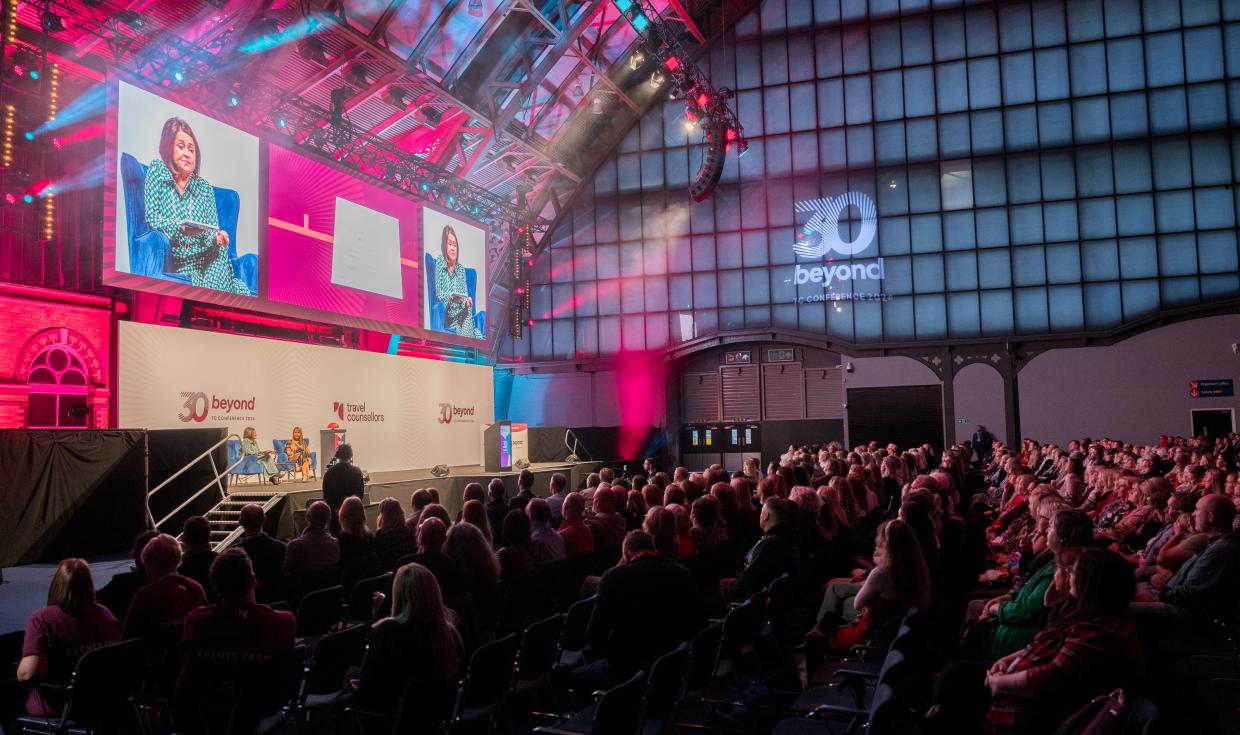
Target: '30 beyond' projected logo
x=822, y=232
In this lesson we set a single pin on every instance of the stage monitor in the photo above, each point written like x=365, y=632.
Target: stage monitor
x=200, y=209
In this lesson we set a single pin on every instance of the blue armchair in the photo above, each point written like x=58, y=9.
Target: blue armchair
x=439, y=309
x=149, y=251
x=284, y=464
x=248, y=466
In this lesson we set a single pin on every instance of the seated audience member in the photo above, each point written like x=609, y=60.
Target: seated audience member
x=496, y=508
x=197, y=555
x=265, y=552
x=475, y=513
x=1088, y=648
x=1138, y=524
x=708, y=531
x=357, y=544
x=607, y=526
x=417, y=503
x=416, y=650
x=435, y=510
x=473, y=491
x=469, y=549
x=432, y=535
x=315, y=550
x=515, y=559
x=525, y=491
x=545, y=544
x=340, y=480
x=661, y=525
x=555, y=501
x=684, y=540
x=645, y=587
x=236, y=640
x=160, y=607
x=72, y=624
x=578, y=539
x=392, y=538
x=116, y=594
x=1209, y=582
x=1015, y=618
x=774, y=554
x=634, y=510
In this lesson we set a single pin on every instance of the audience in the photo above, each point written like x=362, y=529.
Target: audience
x=315, y=550
x=555, y=501
x=356, y=543
x=342, y=479
x=546, y=545
x=496, y=508
x=393, y=539
x=578, y=539
x=197, y=554
x=116, y=594
x=160, y=607
x=266, y=553
x=525, y=491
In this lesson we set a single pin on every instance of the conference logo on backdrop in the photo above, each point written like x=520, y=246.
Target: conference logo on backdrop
x=198, y=408
x=820, y=236
x=448, y=413
x=356, y=412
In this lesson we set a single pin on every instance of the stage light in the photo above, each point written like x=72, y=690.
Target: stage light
x=28, y=199
x=451, y=199
x=357, y=74
x=891, y=184
x=282, y=123
x=636, y=60
x=596, y=105
x=690, y=126
x=10, y=197
x=657, y=79
x=424, y=187
x=520, y=290
x=529, y=323
x=640, y=22
x=672, y=63
x=34, y=73
x=312, y=49
x=398, y=96
x=578, y=91
x=623, y=5
x=19, y=70
x=179, y=75
x=233, y=100
x=475, y=8
x=52, y=23
x=58, y=143
x=29, y=135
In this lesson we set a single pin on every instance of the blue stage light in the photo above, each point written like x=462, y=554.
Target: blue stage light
x=29, y=135
x=282, y=122
x=233, y=101
x=34, y=73
x=28, y=199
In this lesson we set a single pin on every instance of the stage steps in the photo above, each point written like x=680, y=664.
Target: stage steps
x=225, y=517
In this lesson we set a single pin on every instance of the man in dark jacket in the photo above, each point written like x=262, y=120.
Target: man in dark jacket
x=525, y=491
x=981, y=442
x=646, y=606
x=775, y=553
x=265, y=552
x=496, y=508
x=1209, y=582
x=340, y=481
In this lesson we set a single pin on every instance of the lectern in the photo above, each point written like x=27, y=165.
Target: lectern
x=329, y=440
x=497, y=447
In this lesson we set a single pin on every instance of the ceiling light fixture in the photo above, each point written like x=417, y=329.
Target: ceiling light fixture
x=475, y=8
x=657, y=79
x=636, y=60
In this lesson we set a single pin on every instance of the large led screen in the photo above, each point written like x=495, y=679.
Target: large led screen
x=188, y=194
x=203, y=210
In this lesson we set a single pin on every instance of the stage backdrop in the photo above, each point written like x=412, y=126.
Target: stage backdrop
x=400, y=412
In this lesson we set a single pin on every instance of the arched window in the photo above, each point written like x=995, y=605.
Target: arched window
x=58, y=390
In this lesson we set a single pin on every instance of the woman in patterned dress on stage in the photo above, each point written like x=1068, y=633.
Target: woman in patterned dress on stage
x=452, y=288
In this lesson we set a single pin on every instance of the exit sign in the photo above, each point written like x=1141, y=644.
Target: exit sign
x=963, y=421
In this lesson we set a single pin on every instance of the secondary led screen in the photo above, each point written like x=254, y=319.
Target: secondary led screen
x=199, y=209
x=456, y=272
x=187, y=212
x=339, y=245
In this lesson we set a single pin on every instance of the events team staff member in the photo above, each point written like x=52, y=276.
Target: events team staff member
x=452, y=289
x=341, y=480
x=177, y=195
x=266, y=458
x=298, y=452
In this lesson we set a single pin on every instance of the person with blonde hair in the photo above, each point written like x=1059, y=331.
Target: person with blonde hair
x=393, y=539
x=57, y=635
x=357, y=543
x=298, y=452
x=160, y=607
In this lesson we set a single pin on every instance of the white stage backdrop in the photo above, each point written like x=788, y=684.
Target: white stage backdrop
x=400, y=412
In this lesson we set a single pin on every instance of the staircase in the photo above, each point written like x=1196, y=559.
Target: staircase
x=225, y=516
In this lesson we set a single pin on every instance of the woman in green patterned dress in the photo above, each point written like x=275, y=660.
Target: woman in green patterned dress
x=176, y=195
x=267, y=459
x=452, y=288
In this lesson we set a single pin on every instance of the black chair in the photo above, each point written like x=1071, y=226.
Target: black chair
x=485, y=686
x=536, y=658
x=100, y=693
x=570, y=652
x=298, y=585
x=852, y=694
x=617, y=711
x=335, y=654
x=361, y=607
x=1142, y=715
x=882, y=718
x=669, y=677
x=319, y=611
x=238, y=698
x=867, y=661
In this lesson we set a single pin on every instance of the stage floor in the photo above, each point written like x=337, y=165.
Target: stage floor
x=473, y=472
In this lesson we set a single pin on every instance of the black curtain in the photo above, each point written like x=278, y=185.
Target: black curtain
x=598, y=443
x=70, y=493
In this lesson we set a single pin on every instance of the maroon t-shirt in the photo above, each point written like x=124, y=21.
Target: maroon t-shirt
x=225, y=635
x=62, y=638
x=161, y=606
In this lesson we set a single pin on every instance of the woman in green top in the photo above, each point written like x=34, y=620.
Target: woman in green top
x=452, y=288
x=179, y=202
x=266, y=459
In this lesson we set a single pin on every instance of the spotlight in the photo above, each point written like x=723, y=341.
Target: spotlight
x=28, y=199
x=58, y=143
x=475, y=8
x=891, y=184
x=179, y=75
x=29, y=135
x=312, y=49
x=233, y=100
x=339, y=95
x=596, y=105
x=52, y=23
x=34, y=73
x=636, y=60
x=357, y=75
x=282, y=123
x=398, y=96
x=19, y=70
x=419, y=116
x=657, y=79
x=690, y=126
x=10, y=197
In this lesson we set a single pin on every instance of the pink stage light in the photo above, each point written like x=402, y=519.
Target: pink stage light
x=672, y=63
x=641, y=395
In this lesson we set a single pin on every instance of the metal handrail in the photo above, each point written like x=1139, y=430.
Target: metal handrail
x=203, y=489
x=194, y=461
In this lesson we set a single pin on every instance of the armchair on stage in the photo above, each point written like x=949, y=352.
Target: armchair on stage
x=285, y=465
x=149, y=250
x=248, y=466
x=439, y=309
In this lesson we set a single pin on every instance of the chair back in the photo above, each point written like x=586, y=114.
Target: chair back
x=361, y=600
x=234, y=452
x=668, y=677
x=620, y=711
x=489, y=677
x=781, y=601
x=573, y=637
x=893, y=668
x=703, y=654
x=103, y=683
x=742, y=626
x=884, y=716
x=133, y=178
x=1142, y=715
x=334, y=655
x=537, y=653
x=319, y=611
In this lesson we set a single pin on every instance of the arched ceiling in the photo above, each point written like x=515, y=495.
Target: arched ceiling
x=512, y=96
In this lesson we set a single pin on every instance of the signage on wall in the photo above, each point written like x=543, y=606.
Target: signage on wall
x=1211, y=388
x=820, y=238
x=781, y=354
x=738, y=357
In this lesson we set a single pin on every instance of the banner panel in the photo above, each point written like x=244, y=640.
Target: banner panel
x=400, y=412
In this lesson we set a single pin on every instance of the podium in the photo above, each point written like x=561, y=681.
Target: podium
x=497, y=447
x=329, y=440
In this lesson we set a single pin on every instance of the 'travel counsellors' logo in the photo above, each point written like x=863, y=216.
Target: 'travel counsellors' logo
x=449, y=412
x=820, y=236
x=198, y=407
x=338, y=409
x=346, y=411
